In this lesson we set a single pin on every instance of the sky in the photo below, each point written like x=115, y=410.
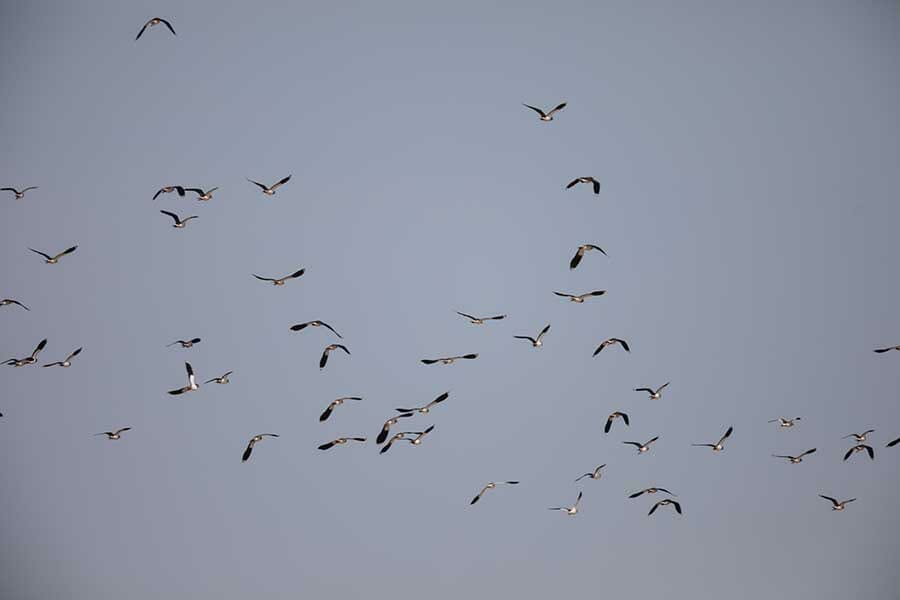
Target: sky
x=747, y=154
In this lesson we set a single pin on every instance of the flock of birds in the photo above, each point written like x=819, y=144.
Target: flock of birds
x=384, y=437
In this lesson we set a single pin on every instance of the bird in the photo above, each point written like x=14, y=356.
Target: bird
x=651, y=490
x=328, y=350
x=185, y=343
x=665, y=502
x=201, y=195
x=610, y=342
x=153, y=23
x=893, y=443
x=179, y=223
x=334, y=404
x=403, y=436
x=427, y=408
x=579, y=254
x=192, y=382
x=579, y=299
x=536, y=342
x=860, y=448
x=19, y=194
x=281, y=281
x=491, y=486
x=386, y=428
x=613, y=417
x=253, y=440
x=654, y=394
x=339, y=441
x=590, y=180
x=301, y=326
x=8, y=301
x=595, y=474
x=718, y=447
x=114, y=435
x=859, y=437
x=795, y=459
x=546, y=116
x=168, y=190
x=270, y=191
x=28, y=360
x=65, y=363
x=878, y=350
x=480, y=320
x=220, y=380
x=782, y=422
x=837, y=505
x=645, y=447
x=448, y=360
x=52, y=260
x=570, y=510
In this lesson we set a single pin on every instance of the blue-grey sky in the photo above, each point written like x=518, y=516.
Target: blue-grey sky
x=748, y=154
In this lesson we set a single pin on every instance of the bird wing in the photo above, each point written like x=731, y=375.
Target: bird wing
x=167, y=24
x=576, y=259
x=727, y=435
x=466, y=316
x=282, y=182
x=47, y=256
x=326, y=446
x=171, y=214
x=810, y=451
x=606, y=428
x=296, y=274
x=653, y=510
x=53, y=364
x=596, y=187
x=849, y=452
x=543, y=331
x=558, y=108
x=648, y=390
x=525, y=337
x=624, y=418
x=247, y=452
x=832, y=500
x=651, y=441
x=468, y=356
x=633, y=444
x=324, y=358
x=74, y=354
x=572, y=184
x=198, y=191
x=893, y=443
x=677, y=506
x=258, y=183
x=495, y=318
x=141, y=32
x=663, y=386
x=437, y=400
x=564, y=295
x=536, y=109
x=871, y=451
x=38, y=348
x=331, y=329
x=624, y=344
x=429, y=361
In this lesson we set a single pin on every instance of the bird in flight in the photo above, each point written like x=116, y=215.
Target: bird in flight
x=302, y=326
x=581, y=297
x=270, y=191
x=480, y=320
x=52, y=260
x=179, y=223
x=168, y=190
x=19, y=194
x=448, y=360
x=641, y=448
x=610, y=342
x=114, y=435
x=889, y=348
x=185, y=343
x=281, y=281
x=546, y=116
x=8, y=301
x=782, y=422
x=403, y=435
x=536, y=342
x=328, y=350
x=427, y=408
x=595, y=474
x=613, y=417
x=192, y=382
x=386, y=428
x=860, y=448
x=65, y=363
x=253, y=440
x=153, y=23
x=590, y=180
x=718, y=446
x=651, y=490
x=491, y=486
x=795, y=459
x=570, y=510
x=579, y=254
x=201, y=195
x=28, y=360
x=220, y=380
x=334, y=404
x=665, y=502
x=340, y=441
x=654, y=394
x=835, y=504
x=859, y=437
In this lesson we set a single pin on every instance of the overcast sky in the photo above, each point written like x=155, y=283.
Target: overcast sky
x=748, y=154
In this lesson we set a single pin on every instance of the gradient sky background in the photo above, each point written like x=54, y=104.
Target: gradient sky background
x=748, y=154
